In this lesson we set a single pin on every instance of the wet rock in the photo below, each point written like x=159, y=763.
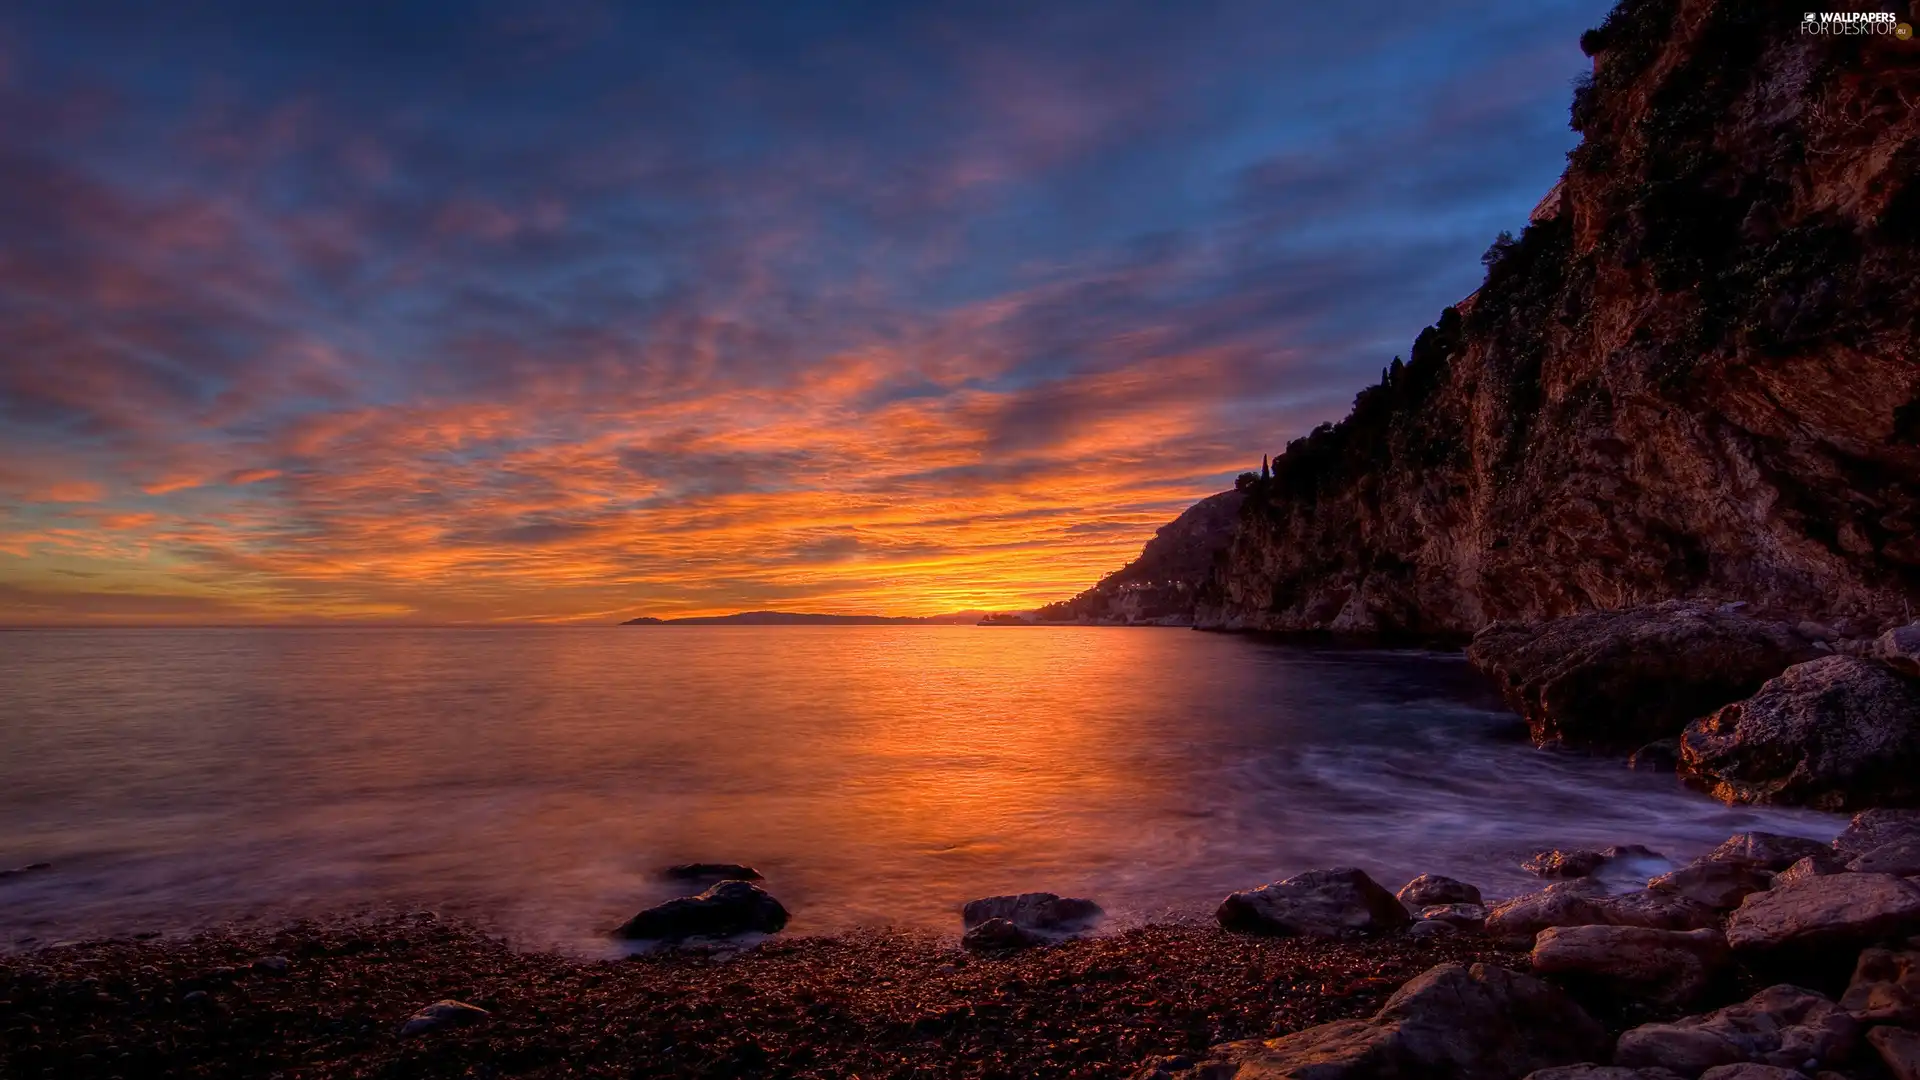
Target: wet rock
x=1870, y=829
x=1899, y=1051
x=1782, y=1025
x=1563, y=864
x=1469, y=917
x=1769, y=851
x=1566, y=903
x=1750, y=1071
x=731, y=907
x=1632, y=853
x=272, y=965
x=1433, y=890
x=1899, y=646
x=998, y=935
x=442, y=1014
x=711, y=871
x=1672, y=967
x=1712, y=883
x=1452, y=1021
x=1042, y=911
x=1657, y=911
x=1602, y=1072
x=1901, y=858
x=1660, y=755
x=1834, y=911
x=1885, y=988
x=1331, y=903
x=30, y=868
x=1816, y=865
x=1432, y=928
x=1619, y=679
x=1833, y=733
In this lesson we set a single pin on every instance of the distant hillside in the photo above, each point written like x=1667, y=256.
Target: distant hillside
x=793, y=618
x=1160, y=586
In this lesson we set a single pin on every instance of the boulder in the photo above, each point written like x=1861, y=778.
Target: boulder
x=1432, y=928
x=1563, y=864
x=1451, y=1023
x=1899, y=646
x=1660, y=756
x=1620, y=679
x=731, y=907
x=1781, y=1025
x=998, y=935
x=1900, y=858
x=1714, y=884
x=1899, y=1051
x=1769, y=851
x=1749, y=1071
x=1885, y=988
x=1834, y=911
x=1432, y=890
x=1672, y=967
x=1602, y=1072
x=1657, y=911
x=1870, y=829
x=442, y=1014
x=1818, y=865
x=1565, y=903
x=1042, y=911
x=711, y=871
x=1339, y=902
x=1470, y=917
x=1835, y=733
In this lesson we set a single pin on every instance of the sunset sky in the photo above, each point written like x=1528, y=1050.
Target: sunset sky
x=545, y=311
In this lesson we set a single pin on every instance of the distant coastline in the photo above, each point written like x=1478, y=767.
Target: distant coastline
x=794, y=618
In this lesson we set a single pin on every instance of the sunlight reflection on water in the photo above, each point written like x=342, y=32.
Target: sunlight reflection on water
x=535, y=779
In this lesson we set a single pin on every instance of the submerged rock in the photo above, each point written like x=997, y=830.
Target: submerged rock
x=1719, y=885
x=1043, y=911
x=1834, y=733
x=1452, y=1021
x=1563, y=864
x=1433, y=890
x=1619, y=679
x=726, y=909
x=1834, y=911
x=442, y=1014
x=711, y=871
x=1334, y=903
x=1784, y=1026
x=1669, y=966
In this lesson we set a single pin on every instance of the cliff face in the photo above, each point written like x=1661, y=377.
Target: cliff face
x=1161, y=585
x=1694, y=375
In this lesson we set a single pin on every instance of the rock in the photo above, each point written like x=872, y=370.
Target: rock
x=1660, y=755
x=196, y=999
x=711, y=871
x=1769, y=851
x=1451, y=1022
x=1900, y=858
x=1885, y=988
x=1672, y=967
x=1656, y=911
x=1563, y=864
x=1714, y=884
x=272, y=965
x=1781, y=1025
x=1617, y=679
x=1432, y=890
x=731, y=907
x=1817, y=865
x=1899, y=1050
x=1900, y=645
x=1566, y=903
x=1834, y=733
x=442, y=1014
x=998, y=935
x=1870, y=829
x=1632, y=853
x=1042, y=911
x=1332, y=903
x=1471, y=917
x=1432, y=928
x=1603, y=1072
x=1751, y=1071
x=30, y=868
x=1836, y=911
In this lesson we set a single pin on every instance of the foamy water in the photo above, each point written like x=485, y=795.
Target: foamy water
x=536, y=779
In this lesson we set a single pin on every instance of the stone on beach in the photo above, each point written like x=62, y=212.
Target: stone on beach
x=442, y=1014
x=1043, y=911
x=998, y=935
x=726, y=909
x=1563, y=864
x=1669, y=966
x=1782, y=1025
x=1718, y=884
x=1333, y=903
x=1433, y=890
x=711, y=871
x=1885, y=988
x=1565, y=903
x=1656, y=910
x=1834, y=733
x=1769, y=851
x=1452, y=1021
x=1459, y=916
x=1899, y=1051
x=1834, y=911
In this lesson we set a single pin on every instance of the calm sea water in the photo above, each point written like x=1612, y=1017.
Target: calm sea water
x=535, y=779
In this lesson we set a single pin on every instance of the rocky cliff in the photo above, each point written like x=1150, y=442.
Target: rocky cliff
x=1160, y=586
x=1694, y=375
